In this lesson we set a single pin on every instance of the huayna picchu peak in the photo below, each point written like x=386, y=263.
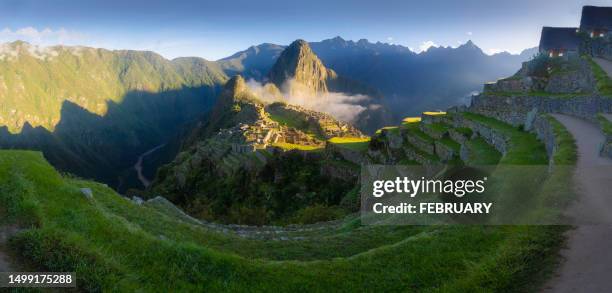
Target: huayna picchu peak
x=298, y=63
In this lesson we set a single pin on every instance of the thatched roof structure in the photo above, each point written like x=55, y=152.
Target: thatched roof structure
x=596, y=18
x=559, y=39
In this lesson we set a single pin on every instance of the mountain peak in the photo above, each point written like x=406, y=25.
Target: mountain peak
x=469, y=45
x=236, y=84
x=299, y=64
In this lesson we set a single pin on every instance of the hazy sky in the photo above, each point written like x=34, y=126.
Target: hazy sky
x=216, y=29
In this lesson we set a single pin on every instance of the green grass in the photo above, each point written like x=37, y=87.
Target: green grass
x=481, y=153
x=352, y=143
x=115, y=245
x=465, y=131
x=292, y=146
x=413, y=129
x=451, y=144
x=604, y=124
x=525, y=149
x=604, y=83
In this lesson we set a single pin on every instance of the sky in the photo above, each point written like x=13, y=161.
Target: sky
x=217, y=29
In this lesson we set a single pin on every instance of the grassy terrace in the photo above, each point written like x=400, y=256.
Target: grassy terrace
x=413, y=129
x=465, y=131
x=451, y=144
x=524, y=148
x=292, y=146
x=604, y=83
x=482, y=153
x=352, y=143
x=115, y=245
x=605, y=124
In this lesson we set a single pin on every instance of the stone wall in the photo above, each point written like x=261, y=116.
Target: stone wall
x=444, y=152
x=545, y=133
x=434, y=134
x=580, y=80
x=353, y=156
x=457, y=136
x=493, y=137
x=517, y=109
x=606, y=149
x=573, y=75
x=421, y=144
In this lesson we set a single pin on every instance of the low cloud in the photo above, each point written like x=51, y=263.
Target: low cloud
x=424, y=46
x=46, y=36
x=493, y=51
x=342, y=106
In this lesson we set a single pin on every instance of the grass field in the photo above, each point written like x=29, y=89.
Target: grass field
x=292, y=146
x=353, y=143
x=114, y=244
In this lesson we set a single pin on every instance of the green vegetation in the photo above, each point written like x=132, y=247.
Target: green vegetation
x=565, y=154
x=465, y=131
x=287, y=183
x=604, y=83
x=112, y=244
x=525, y=149
x=413, y=129
x=352, y=143
x=451, y=144
x=481, y=153
x=605, y=124
x=292, y=146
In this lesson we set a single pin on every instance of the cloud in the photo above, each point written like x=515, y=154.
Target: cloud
x=469, y=33
x=341, y=106
x=425, y=46
x=45, y=37
x=492, y=51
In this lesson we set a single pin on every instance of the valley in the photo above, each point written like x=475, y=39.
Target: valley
x=251, y=173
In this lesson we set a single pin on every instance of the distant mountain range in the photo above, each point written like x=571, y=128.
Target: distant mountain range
x=94, y=111
x=410, y=82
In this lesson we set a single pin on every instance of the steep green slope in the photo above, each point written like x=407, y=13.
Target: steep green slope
x=93, y=111
x=238, y=167
x=115, y=244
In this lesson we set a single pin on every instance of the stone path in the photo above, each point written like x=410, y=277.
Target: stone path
x=587, y=264
x=606, y=65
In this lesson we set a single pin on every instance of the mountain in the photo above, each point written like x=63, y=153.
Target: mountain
x=252, y=63
x=250, y=155
x=410, y=82
x=93, y=111
x=298, y=63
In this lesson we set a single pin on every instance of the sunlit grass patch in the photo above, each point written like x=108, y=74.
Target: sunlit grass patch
x=434, y=113
x=411, y=120
x=353, y=143
x=293, y=146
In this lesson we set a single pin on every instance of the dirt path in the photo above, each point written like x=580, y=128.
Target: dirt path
x=6, y=265
x=587, y=265
x=606, y=65
x=138, y=166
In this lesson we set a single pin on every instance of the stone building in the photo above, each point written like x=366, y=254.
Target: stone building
x=596, y=21
x=559, y=41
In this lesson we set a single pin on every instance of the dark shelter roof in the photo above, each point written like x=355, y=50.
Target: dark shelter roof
x=594, y=17
x=555, y=38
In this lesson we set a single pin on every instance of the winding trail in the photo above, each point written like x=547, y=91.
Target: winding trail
x=138, y=166
x=587, y=265
x=6, y=264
